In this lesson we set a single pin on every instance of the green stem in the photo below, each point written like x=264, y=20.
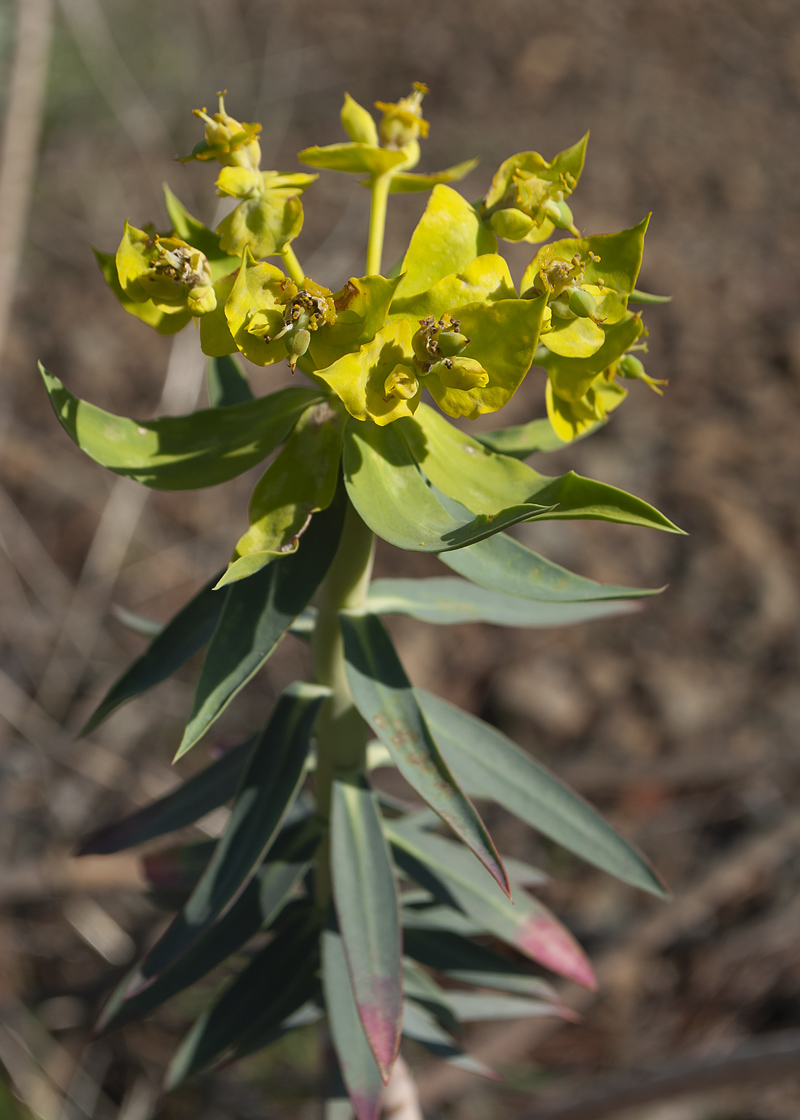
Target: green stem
x=293, y=266
x=377, y=222
x=341, y=733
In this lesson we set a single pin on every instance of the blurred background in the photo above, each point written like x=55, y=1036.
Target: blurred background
x=680, y=722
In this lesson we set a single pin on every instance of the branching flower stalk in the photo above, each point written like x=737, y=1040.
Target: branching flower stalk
x=384, y=919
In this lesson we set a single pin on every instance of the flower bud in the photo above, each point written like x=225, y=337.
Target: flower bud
x=630, y=367
x=451, y=343
x=511, y=224
x=402, y=120
x=402, y=382
x=201, y=299
x=461, y=373
x=231, y=142
x=582, y=304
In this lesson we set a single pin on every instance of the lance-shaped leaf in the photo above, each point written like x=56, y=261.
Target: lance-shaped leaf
x=487, y=279
x=420, y=1025
x=571, y=378
x=403, y=182
x=183, y=636
x=359, y=1070
x=257, y=613
x=384, y=697
x=520, y=441
x=486, y=483
x=490, y=765
x=503, y=564
x=259, y=904
x=298, y=483
x=526, y=924
x=278, y=981
x=361, y=310
x=181, y=452
x=268, y=788
x=264, y=1034
x=357, y=157
x=201, y=793
x=436, y=917
x=443, y=600
x=645, y=297
x=165, y=322
x=227, y=383
x=449, y=236
x=475, y=1007
x=367, y=911
x=391, y=495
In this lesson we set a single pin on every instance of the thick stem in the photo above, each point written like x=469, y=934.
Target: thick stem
x=377, y=222
x=293, y=266
x=341, y=733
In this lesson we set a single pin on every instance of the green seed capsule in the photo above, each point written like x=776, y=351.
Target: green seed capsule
x=451, y=343
x=582, y=303
x=297, y=345
x=630, y=367
x=511, y=224
x=560, y=215
x=561, y=308
x=461, y=373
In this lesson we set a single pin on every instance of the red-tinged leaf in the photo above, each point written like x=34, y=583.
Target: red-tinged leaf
x=367, y=909
x=385, y=698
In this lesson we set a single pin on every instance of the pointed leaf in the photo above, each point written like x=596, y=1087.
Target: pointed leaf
x=404, y=181
x=181, y=452
x=384, y=697
x=367, y=910
x=435, y=917
x=182, y=637
x=355, y=157
x=257, y=613
x=356, y=1060
x=645, y=297
x=258, y=905
x=276, y=983
x=420, y=1025
x=525, y=923
x=269, y=786
x=520, y=441
x=449, y=236
x=227, y=383
x=443, y=600
x=385, y=485
x=424, y=990
x=503, y=564
x=201, y=793
x=474, y=1007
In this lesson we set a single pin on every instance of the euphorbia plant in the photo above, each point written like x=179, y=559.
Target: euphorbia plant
x=380, y=915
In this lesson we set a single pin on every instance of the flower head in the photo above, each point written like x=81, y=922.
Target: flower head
x=402, y=120
x=231, y=142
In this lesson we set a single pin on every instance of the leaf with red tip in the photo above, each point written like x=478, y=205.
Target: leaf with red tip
x=365, y=897
x=384, y=697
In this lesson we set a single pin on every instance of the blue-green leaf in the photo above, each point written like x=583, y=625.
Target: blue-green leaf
x=420, y=1025
x=227, y=383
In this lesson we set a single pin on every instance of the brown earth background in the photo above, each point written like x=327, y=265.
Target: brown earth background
x=680, y=722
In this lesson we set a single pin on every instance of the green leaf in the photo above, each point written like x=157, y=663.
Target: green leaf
x=166, y=323
x=361, y=310
x=190, y=229
x=449, y=236
x=256, y=614
x=261, y=1035
x=420, y=1025
x=358, y=122
x=474, y=1007
x=182, y=637
x=198, y=795
x=486, y=279
x=438, y=918
x=384, y=697
x=385, y=485
x=403, y=182
x=262, y=899
x=490, y=765
x=503, y=564
x=278, y=981
x=265, y=225
x=269, y=785
x=524, y=923
x=485, y=483
x=356, y=1060
x=181, y=452
x=443, y=600
x=358, y=158
x=523, y=440
x=227, y=383
x=367, y=911
x=216, y=340
x=571, y=378
x=298, y=483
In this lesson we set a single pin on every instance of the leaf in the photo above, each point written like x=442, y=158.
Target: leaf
x=367, y=911
x=385, y=485
x=486, y=279
x=356, y=1060
x=298, y=483
x=265, y=225
x=438, y=918
x=181, y=452
x=486, y=483
x=490, y=765
x=402, y=182
x=384, y=697
x=358, y=122
x=449, y=236
x=361, y=310
x=261, y=1035
x=268, y=788
x=525, y=924
x=523, y=440
x=566, y=163
x=201, y=793
x=256, y=614
x=354, y=157
x=182, y=637
x=227, y=383
x=258, y=905
x=503, y=564
x=419, y=1025
x=443, y=600
x=278, y=981
x=423, y=990
x=164, y=322
x=216, y=340
x=190, y=229
x=474, y=1007
x=571, y=378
